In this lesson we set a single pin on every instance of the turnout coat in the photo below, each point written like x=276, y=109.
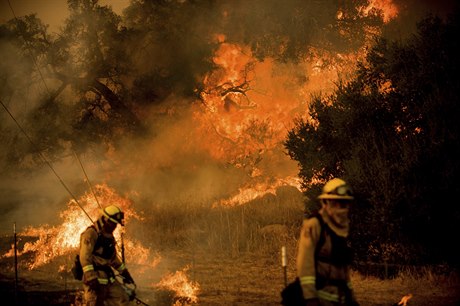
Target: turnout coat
x=98, y=255
x=323, y=261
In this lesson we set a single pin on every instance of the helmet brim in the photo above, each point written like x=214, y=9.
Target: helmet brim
x=335, y=197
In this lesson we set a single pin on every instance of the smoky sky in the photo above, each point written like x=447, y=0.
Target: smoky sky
x=52, y=12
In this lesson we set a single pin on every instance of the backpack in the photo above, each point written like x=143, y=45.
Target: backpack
x=77, y=269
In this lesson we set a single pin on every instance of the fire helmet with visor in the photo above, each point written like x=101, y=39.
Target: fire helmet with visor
x=336, y=189
x=114, y=214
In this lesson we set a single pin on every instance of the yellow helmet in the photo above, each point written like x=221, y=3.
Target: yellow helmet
x=114, y=214
x=336, y=189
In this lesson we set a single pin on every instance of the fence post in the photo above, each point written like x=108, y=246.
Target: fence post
x=283, y=264
x=15, y=265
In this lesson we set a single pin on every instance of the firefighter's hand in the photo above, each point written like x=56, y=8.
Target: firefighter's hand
x=132, y=295
x=127, y=279
x=312, y=302
x=92, y=284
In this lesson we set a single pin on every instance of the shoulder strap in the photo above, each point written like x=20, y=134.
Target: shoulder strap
x=319, y=245
x=92, y=227
x=322, y=236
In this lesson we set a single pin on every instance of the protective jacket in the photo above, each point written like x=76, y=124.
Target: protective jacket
x=323, y=262
x=98, y=254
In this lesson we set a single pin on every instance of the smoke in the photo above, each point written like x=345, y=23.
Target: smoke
x=38, y=197
x=170, y=164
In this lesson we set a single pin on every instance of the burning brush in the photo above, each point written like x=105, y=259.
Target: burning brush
x=51, y=242
x=177, y=289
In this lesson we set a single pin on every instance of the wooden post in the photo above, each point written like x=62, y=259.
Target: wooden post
x=283, y=264
x=15, y=265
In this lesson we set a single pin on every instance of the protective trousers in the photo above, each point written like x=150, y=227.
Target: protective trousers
x=111, y=294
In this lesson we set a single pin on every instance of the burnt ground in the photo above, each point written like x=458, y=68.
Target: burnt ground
x=223, y=280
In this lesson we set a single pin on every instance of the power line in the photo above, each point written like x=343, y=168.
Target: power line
x=30, y=51
x=44, y=159
x=87, y=180
x=27, y=136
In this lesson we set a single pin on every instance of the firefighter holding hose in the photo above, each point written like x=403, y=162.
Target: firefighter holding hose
x=99, y=261
x=323, y=256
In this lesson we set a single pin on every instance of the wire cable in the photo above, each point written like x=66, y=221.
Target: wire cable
x=27, y=136
x=87, y=179
x=45, y=160
x=28, y=47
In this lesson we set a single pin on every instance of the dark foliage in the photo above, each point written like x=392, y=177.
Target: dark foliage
x=393, y=133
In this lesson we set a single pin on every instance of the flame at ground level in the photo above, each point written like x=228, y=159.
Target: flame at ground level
x=405, y=299
x=54, y=241
x=250, y=193
x=185, y=290
x=50, y=242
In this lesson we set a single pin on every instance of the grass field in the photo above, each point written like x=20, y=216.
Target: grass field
x=231, y=254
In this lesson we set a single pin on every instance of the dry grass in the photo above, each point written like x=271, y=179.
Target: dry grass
x=435, y=290
x=259, y=226
x=234, y=256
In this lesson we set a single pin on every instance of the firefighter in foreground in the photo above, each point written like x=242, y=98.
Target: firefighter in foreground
x=99, y=259
x=323, y=256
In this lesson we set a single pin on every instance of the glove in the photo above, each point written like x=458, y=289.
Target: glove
x=92, y=284
x=127, y=279
x=312, y=302
x=132, y=295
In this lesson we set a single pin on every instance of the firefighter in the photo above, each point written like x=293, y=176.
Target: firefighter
x=323, y=257
x=99, y=259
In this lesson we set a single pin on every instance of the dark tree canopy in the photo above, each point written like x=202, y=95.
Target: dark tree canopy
x=393, y=133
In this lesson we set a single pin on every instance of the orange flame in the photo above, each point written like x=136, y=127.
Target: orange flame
x=388, y=9
x=249, y=105
x=54, y=241
x=250, y=193
x=184, y=289
x=405, y=299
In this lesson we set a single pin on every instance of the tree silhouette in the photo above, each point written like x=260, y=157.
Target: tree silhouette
x=392, y=132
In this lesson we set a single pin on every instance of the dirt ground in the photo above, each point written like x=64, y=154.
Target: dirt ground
x=222, y=280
